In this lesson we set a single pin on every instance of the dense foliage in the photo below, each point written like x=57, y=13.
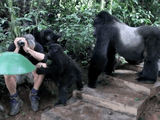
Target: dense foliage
x=73, y=19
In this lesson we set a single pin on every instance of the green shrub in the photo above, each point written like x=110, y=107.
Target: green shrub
x=77, y=29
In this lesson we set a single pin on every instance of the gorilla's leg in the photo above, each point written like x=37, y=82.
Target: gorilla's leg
x=79, y=82
x=64, y=85
x=99, y=59
x=149, y=73
x=97, y=66
x=62, y=95
x=111, y=64
x=93, y=74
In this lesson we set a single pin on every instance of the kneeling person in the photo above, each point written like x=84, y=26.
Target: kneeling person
x=33, y=51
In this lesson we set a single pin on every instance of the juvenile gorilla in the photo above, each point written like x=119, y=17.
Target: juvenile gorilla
x=45, y=37
x=133, y=43
x=63, y=70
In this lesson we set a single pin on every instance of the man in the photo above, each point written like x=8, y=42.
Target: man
x=33, y=51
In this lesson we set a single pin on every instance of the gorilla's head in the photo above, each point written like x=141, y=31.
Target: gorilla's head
x=54, y=51
x=49, y=37
x=101, y=19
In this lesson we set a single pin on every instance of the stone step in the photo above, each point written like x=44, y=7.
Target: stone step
x=117, y=97
x=128, y=73
x=129, y=78
x=80, y=110
x=113, y=94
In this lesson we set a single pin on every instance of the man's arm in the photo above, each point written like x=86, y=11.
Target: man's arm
x=37, y=55
x=36, y=52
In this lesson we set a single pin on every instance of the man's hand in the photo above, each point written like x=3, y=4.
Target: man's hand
x=25, y=47
x=16, y=43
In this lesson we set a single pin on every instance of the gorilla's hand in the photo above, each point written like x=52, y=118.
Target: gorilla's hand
x=40, y=70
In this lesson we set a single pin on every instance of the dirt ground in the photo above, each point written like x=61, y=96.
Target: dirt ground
x=152, y=110
x=46, y=103
x=48, y=95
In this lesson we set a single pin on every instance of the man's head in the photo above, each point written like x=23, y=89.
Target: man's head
x=30, y=40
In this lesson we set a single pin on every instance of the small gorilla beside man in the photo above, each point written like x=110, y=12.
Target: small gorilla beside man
x=63, y=70
x=133, y=43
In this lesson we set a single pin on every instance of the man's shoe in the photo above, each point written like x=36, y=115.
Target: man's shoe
x=16, y=104
x=34, y=101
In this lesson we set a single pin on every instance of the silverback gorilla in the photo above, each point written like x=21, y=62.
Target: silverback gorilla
x=63, y=70
x=133, y=43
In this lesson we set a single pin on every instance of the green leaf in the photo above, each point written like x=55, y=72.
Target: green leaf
x=66, y=51
x=6, y=115
x=42, y=12
x=28, y=19
x=23, y=113
x=136, y=99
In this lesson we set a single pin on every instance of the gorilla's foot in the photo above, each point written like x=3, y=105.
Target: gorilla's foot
x=144, y=80
x=91, y=85
x=140, y=74
x=80, y=89
x=109, y=72
x=60, y=103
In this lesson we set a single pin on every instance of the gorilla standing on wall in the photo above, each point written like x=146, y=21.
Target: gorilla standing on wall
x=133, y=43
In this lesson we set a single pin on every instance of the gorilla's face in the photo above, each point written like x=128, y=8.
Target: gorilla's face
x=97, y=24
x=50, y=37
x=54, y=50
x=98, y=21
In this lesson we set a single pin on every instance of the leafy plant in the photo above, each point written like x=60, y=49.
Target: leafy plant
x=133, y=13
x=77, y=29
x=72, y=18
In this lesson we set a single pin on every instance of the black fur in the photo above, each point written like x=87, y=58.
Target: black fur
x=135, y=44
x=45, y=37
x=63, y=70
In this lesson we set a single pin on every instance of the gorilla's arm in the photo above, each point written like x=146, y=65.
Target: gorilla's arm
x=43, y=70
x=52, y=69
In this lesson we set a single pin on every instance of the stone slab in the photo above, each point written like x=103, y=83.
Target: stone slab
x=112, y=94
x=129, y=78
x=154, y=92
x=81, y=110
